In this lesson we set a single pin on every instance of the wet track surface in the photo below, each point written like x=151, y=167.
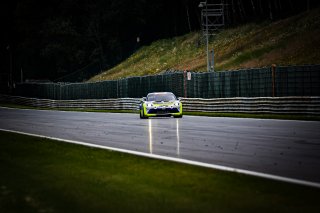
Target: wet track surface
x=278, y=147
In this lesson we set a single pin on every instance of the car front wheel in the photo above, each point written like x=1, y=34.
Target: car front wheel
x=142, y=114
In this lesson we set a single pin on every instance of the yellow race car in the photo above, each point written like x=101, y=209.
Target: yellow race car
x=160, y=104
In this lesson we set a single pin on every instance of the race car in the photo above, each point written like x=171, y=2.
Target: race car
x=160, y=104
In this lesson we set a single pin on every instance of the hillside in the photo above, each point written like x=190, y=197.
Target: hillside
x=291, y=41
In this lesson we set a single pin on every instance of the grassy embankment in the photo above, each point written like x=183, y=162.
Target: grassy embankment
x=40, y=175
x=292, y=41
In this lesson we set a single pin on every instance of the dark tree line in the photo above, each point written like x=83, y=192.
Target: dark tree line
x=242, y=11
x=49, y=39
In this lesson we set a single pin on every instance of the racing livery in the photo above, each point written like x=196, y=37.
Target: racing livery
x=160, y=104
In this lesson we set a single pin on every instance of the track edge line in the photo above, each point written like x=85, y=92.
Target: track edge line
x=178, y=160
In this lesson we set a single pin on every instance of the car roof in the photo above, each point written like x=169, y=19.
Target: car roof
x=159, y=93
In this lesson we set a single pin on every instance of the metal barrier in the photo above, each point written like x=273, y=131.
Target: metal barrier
x=107, y=104
x=276, y=105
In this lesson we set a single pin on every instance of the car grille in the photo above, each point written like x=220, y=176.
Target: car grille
x=163, y=111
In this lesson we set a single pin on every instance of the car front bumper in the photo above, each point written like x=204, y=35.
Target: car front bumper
x=163, y=111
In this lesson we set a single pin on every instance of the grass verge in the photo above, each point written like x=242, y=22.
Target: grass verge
x=41, y=175
x=258, y=116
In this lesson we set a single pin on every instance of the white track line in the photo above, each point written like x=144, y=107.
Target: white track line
x=178, y=160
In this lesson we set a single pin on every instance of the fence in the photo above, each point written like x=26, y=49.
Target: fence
x=277, y=105
x=263, y=82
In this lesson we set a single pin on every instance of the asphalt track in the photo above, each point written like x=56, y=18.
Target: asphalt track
x=277, y=147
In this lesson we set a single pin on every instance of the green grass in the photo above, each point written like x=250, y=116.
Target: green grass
x=291, y=41
x=245, y=56
x=259, y=116
x=40, y=175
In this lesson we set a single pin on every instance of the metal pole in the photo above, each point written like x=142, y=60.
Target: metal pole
x=11, y=70
x=185, y=83
x=212, y=60
x=21, y=75
x=273, y=69
x=207, y=37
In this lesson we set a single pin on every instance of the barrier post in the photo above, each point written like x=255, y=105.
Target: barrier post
x=273, y=68
x=185, y=83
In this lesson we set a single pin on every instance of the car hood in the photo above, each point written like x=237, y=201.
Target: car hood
x=162, y=103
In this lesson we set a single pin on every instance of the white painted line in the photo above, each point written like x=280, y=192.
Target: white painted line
x=178, y=160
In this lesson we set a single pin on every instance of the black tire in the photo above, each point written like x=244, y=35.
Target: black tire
x=178, y=116
x=142, y=114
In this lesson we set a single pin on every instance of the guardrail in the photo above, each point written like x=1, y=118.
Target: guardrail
x=275, y=105
x=107, y=104
x=278, y=105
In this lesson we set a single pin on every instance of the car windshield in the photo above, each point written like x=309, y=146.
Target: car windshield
x=158, y=97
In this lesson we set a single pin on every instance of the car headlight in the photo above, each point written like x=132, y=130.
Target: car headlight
x=176, y=103
x=149, y=105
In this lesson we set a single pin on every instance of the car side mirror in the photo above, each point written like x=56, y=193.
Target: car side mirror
x=144, y=99
x=179, y=99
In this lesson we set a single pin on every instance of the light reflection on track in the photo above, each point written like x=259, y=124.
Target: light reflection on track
x=152, y=139
x=150, y=136
x=178, y=137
